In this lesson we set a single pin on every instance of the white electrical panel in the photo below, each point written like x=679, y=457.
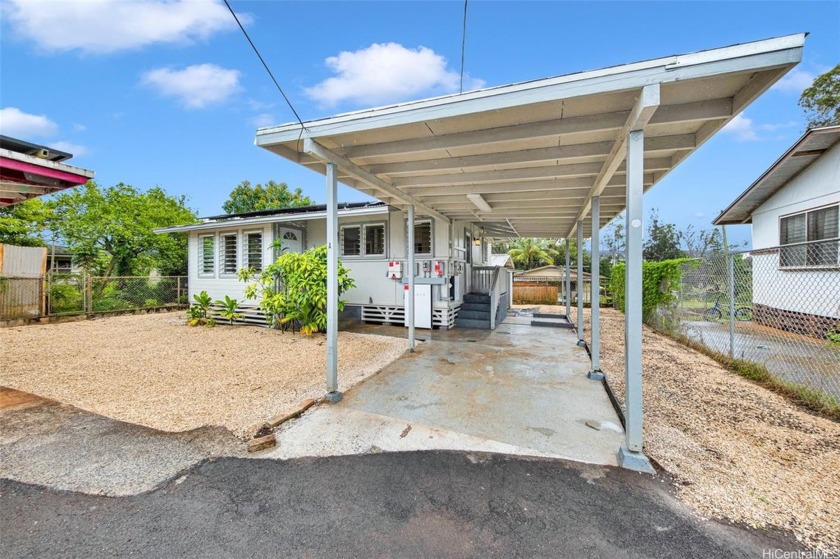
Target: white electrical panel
x=422, y=306
x=395, y=270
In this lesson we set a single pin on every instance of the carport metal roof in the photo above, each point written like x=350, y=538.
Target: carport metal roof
x=538, y=152
x=810, y=147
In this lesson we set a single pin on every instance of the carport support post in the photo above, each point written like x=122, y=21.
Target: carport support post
x=333, y=395
x=568, y=284
x=630, y=455
x=595, y=297
x=580, y=283
x=410, y=303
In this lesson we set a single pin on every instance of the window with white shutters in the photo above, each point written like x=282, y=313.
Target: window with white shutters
x=227, y=254
x=254, y=250
x=206, y=255
x=375, y=240
x=351, y=240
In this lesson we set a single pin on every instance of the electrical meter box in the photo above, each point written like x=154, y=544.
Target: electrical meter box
x=395, y=270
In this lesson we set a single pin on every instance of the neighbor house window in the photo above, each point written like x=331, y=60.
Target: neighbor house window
x=254, y=250
x=423, y=237
x=351, y=240
x=227, y=255
x=206, y=253
x=804, y=232
x=375, y=240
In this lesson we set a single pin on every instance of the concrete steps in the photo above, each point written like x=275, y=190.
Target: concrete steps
x=474, y=312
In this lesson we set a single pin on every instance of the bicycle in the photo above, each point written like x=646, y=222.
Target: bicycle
x=714, y=313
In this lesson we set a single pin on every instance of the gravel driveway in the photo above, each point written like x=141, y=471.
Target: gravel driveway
x=155, y=371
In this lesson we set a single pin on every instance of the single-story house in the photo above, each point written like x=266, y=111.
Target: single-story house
x=793, y=208
x=28, y=170
x=372, y=245
x=555, y=157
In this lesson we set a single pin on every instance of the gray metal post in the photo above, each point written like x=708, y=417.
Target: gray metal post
x=730, y=262
x=580, y=283
x=568, y=284
x=178, y=291
x=630, y=455
x=332, y=283
x=410, y=309
x=595, y=297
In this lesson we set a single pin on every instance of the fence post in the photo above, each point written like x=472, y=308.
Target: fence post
x=730, y=262
x=178, y=292
x=89, y=292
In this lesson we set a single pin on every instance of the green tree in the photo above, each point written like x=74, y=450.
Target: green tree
x=528, y=253
x=663, y=240
x=24, y=224
x=821, y=101
x=111, y=230
x=246, y=198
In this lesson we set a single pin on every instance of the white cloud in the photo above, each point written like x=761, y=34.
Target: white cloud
x=76, y=149
x=782, y=126
x=15, y=122
x=196, y=86
x=742, y=127
x=795, y=81
x=386, y=72
x=262, y=120
x=104, y=26
x=79, y=127
x=699, y=215
x=259, y=105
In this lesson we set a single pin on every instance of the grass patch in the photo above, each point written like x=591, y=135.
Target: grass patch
x=813, y=400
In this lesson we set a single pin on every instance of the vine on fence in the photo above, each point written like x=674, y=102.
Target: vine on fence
x=660, y=281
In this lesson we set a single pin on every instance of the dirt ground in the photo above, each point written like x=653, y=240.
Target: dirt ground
x=737, y=451
x=155, y=371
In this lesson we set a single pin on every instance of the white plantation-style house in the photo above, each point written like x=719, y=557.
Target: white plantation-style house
x=793, y=208
x=555, y=157
x=451, y=261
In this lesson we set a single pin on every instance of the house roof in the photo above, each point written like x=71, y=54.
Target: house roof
x=807, y=149
x=280, y=215
x=501, y=260
x=549, y=272
x=28, y=170
x=527, y=159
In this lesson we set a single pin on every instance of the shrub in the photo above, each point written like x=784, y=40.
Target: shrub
x=660, y=281
x=293, y=290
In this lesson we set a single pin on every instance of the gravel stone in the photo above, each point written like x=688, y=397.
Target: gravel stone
x=154, y=370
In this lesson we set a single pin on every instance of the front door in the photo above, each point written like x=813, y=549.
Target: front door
x=291, y=239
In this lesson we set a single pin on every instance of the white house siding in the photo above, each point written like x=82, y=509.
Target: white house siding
x=800, y=291
x=218, y=285
x=373, y=286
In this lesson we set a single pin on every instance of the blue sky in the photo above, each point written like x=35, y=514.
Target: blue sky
x=170, y=93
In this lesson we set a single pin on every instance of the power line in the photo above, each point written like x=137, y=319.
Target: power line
x=463, y=44
x=267, y=69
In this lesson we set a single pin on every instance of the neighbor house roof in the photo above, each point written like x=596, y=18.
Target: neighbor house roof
x=28, y=170
x=280, y=215
x=548, y=272
x=809, y=148
x=527, y=159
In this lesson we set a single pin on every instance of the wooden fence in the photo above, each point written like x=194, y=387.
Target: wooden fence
x=535, y=294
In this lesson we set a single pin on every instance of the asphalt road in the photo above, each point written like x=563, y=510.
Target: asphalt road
x=433, y=504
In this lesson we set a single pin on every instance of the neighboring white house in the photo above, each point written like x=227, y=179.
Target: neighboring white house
x=793, y=208
x=372, y=238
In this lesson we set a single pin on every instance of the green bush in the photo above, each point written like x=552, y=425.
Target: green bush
x=293, y=290
x=65, y=297
x=660, y=281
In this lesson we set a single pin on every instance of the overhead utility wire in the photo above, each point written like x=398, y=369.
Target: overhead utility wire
x=463, y=44
x=267, y=69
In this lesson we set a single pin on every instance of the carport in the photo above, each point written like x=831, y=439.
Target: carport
x=556, y=157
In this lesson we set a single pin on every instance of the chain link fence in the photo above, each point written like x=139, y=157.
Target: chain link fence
x=779, y=307
x=79, y=293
